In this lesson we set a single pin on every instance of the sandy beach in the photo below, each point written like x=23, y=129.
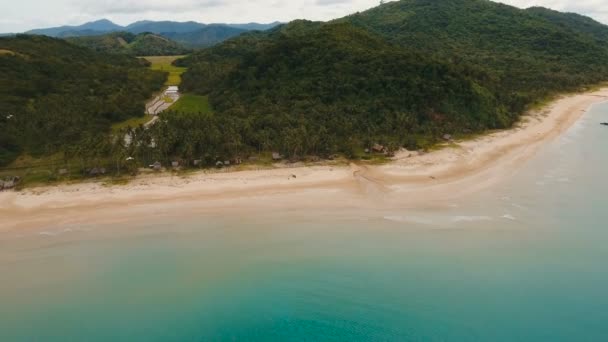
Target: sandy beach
x=411, y=179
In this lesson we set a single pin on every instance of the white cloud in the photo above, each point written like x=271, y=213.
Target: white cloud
x=597, y=9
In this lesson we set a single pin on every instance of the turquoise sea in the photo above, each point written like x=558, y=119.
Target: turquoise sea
x=526, y=260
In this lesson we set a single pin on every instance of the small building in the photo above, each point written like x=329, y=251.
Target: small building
x=447, y=137
x=276, y=156
x=8, y=184
x=219, y=164
x=63, y=172
x=172, y=90
x=197, y=162
x=94, y=172
x=157, y=166
x=226, y=162
x=175, y=164
x=378, y=148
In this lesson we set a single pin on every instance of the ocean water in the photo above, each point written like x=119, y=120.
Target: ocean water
x=526, y=260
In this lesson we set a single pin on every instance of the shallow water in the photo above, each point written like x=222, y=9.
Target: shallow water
x=523, y=261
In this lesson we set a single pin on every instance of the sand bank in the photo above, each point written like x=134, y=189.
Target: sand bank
x=411, y=179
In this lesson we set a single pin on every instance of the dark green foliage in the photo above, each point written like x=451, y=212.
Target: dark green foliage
x=531, y=53
x=144, y=44
x=55, y=94
x=401, y=74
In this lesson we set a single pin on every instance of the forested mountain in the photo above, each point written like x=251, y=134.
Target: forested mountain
x=144, y=44
x=574, y=22
x=159, y=27
x=529, y=54
x=401, y=74
x=254, y=26
x=205, y=37
x=104, y=26
x=95, y=27
x=60, y=97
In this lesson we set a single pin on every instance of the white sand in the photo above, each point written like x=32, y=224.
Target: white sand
x=464, y=167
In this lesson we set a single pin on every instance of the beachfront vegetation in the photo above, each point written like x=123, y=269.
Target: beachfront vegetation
x=402, y=74
x=57, y=96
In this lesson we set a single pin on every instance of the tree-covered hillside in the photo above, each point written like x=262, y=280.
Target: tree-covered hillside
x=339, y=88
x=205, y=37
x=55, y=95
x=144, y=44
x=531, y=53
x=403, y=74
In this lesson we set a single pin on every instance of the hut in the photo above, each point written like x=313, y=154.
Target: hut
x=226, y=162
x=175, y=164
x=276, y=156
x=94, y=172
x=219, y=164
x=157, y=166
x=63, y=172
x=378, y=148
x=447, y=137
x=9, y=183
x=197, y=162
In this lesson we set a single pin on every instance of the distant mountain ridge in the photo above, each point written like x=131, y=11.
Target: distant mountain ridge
x=143, y=44
x=100, y=26
x=104, y=26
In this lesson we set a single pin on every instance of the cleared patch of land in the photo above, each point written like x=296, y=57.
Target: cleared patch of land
x=190, y=103
x=163, y=63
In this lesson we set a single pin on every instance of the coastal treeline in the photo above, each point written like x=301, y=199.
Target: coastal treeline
x=56, y=96
x=402, y=74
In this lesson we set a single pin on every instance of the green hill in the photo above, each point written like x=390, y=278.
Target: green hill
x=402, y=74
x=207, y=36
x=143, y=44
x=531, y=53
x=59, y=97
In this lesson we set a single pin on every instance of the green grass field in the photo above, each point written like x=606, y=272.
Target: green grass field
x=190, y=103
x=163, y=63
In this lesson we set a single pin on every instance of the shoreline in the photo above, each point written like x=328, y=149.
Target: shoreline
x=463, y=167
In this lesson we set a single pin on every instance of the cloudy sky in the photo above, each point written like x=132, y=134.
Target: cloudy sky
x=22, y=15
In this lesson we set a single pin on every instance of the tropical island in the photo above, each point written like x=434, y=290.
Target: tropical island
x=404, y=76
